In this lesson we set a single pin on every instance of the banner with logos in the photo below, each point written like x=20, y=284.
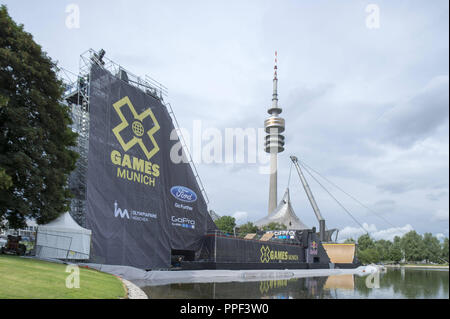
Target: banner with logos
x=140, y=204
x=304, y=246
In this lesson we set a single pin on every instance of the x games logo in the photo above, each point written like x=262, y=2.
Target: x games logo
x=138, y=129
x=265, y=254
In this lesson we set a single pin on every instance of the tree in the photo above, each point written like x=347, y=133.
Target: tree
x=367, y=251
x=365, y=242
x=412, y=246
x=248, y=228
x=349, y=241
x=35, y=137
x=368, y=256
x=5, y=180
x=226, y=224
x=383, y=247
x=432, y=248
x=274, y=226
x=395, y=253
x=444, y=251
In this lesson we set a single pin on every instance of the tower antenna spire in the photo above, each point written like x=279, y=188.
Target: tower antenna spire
x=275, y=67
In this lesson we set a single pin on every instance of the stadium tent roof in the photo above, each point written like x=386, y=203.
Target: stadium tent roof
x=283, y=214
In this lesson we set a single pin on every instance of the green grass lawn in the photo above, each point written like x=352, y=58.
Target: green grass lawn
x=24, y=278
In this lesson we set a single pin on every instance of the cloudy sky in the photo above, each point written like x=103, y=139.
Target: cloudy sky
x=365, y=101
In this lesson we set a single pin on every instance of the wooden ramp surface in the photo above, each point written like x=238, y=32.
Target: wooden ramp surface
x=249, y=236
x=340, y=253
x=266, y=237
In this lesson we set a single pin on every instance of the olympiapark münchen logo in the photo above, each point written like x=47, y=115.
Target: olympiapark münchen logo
x=137, y=127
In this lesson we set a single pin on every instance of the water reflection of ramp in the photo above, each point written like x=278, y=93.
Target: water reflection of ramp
x=340, y=282
x=340, y=253
x=295, y=288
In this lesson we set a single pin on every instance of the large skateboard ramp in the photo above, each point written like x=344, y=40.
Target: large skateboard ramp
x=340, y=253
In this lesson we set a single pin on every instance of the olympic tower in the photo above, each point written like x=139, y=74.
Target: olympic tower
x=274, y=143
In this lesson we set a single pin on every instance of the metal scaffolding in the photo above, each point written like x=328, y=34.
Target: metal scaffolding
x=77, y=98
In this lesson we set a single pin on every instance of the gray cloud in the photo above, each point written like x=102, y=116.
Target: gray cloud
x=384, y=205
x=301, y=98
x=396, y=187
x=420, y=116
x=437, y=196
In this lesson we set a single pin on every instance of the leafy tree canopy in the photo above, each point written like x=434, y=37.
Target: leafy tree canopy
x=444, y=251
x=413, y=247
x=365, y=242
x=432, y=248
x=226, y=224
x=248, y=228
x=35, y=136
x=369, y=256
x=274, y=226
x=395, y=254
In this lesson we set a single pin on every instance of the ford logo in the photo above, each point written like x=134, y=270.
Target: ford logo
x=183, y=193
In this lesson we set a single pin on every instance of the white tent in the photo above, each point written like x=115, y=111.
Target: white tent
x=63, y=238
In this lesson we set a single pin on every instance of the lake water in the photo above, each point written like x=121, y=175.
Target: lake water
x=404, y=283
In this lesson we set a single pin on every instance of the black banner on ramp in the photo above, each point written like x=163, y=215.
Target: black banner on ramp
x=140, y=205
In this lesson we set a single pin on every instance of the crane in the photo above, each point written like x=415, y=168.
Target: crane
x=316, y=209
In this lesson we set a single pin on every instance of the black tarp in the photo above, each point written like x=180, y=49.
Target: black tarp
x=236, y=250
x=140, y=204
x=305, y=248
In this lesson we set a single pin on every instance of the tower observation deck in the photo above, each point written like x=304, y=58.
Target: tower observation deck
x=274, y=143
